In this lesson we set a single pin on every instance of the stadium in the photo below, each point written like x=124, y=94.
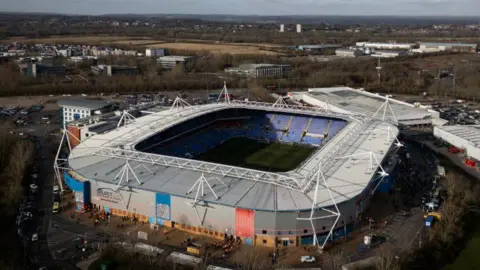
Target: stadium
x=270, y=174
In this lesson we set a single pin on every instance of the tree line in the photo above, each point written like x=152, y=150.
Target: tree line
x=16, y=156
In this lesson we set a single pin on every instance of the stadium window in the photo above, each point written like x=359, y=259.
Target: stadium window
x=264, y=231
x=305, y=231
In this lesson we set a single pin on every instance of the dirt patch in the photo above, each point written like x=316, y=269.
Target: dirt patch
x=190, y=45
x=216, y=48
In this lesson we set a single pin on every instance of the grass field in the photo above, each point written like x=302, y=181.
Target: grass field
x=252, y=154
x=468, y=258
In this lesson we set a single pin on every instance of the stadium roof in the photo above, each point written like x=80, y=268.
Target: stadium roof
x=83, y=103
x=95, y=160
x=349, y=100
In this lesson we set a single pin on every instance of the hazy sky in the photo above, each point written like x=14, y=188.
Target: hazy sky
x=250, y=7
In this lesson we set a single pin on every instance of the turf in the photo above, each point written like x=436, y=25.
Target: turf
x=253, y=154
x=468, y=258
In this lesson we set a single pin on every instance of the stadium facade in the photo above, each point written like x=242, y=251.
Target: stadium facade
x=148, y=168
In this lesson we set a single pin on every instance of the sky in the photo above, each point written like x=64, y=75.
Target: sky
x=249, y=7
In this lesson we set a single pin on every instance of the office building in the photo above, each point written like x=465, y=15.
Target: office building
x=114, y=70
x=37, y=70
x=75, y=109
x=169, y=62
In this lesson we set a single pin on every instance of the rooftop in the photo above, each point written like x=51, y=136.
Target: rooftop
x=447, y=44
x=83, y=103
x=175, y=58
x=101, y=157
x=349, y=100
x=469, y=133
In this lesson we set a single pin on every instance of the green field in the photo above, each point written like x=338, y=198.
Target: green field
x=468, y=258
x=252, y=154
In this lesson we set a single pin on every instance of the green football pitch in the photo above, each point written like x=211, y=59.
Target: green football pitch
x=253, y=154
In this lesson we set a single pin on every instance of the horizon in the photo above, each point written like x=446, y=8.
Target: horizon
x=408, y=8
x=238, y=15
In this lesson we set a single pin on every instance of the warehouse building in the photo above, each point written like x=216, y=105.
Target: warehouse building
x=260, y=70
x=448, y=46
x=171, y=61
x=462, y=137
x=155, y=52
x=387, y=46
x=345, y=52
x=388, y=54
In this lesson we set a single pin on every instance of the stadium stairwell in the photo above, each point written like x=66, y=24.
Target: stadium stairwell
x=305, y=131
x=287, y=127
x=327, y=129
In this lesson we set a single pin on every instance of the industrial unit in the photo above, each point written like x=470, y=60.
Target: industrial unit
x=344, y=52
x=169, y=62
x=463, y=137
x=261, y=70
x=388, y=54
x=447, y=46
x=157, y=52
x=387, y=46
x=111, y=171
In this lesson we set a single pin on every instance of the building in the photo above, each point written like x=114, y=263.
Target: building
x=261, y=70
x=282, y=28
x=463, y=137
x=446, y=46
x=389, y=54
x=38, y=70
x=316, y=48
x=155, y=52
x=114, y=70
x=299, y=28
x=344, y=52
x=357, y=101
x=75, y=109
x=169, y=62
x=387, y=46
x=261, y=208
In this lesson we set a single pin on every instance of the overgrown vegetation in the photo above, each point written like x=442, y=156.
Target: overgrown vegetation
x=459, y=212
x=15, y=157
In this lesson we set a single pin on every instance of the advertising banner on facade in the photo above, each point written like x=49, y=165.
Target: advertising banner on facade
x=162, y=204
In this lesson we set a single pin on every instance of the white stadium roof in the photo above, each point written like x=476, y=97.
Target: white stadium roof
x=349, y=100
x=102, y=156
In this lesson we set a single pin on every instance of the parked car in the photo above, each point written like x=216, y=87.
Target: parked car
x=33, y=187
x=307, y=259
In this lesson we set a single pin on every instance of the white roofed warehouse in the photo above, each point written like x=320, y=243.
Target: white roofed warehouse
x=269, y=174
